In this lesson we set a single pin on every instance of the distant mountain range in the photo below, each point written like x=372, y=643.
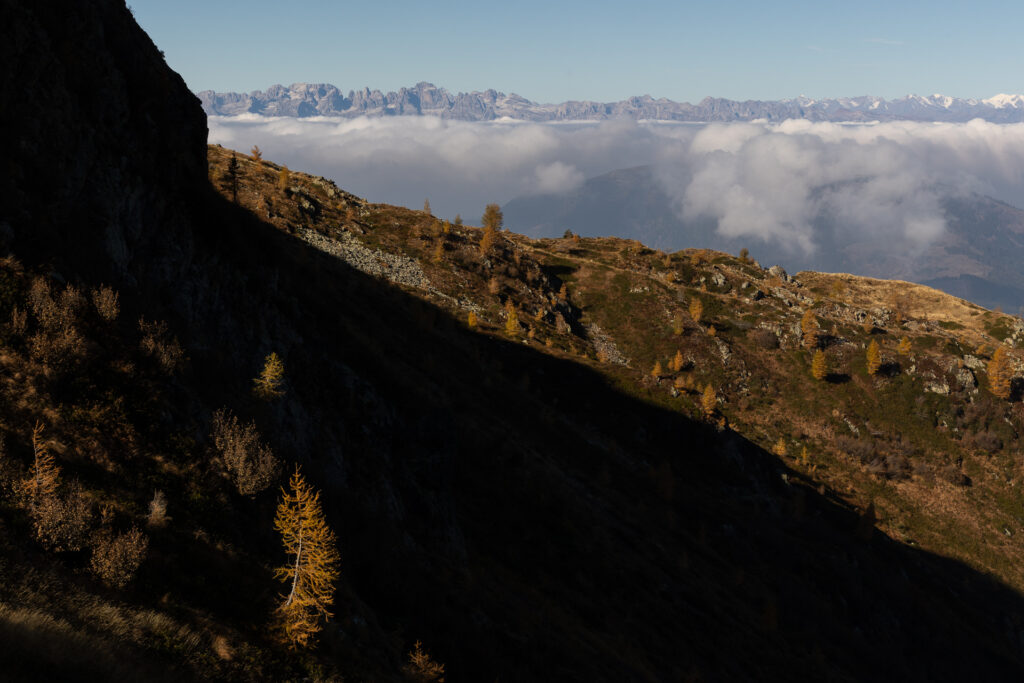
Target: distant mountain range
x=322, y=99
x=978, y=258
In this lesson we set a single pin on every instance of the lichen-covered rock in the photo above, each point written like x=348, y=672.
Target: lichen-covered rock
x=965, y=379
x=973, y=362
x=723, y=350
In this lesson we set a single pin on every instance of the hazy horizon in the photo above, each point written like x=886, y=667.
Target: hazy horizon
x=582, y=51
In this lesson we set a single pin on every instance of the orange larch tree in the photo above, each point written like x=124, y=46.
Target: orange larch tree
x=696, y=309
x=709, y=401
x=874, y=357
x=819, y=366
x=809, y=329
x=312, y=567
x=999, y=374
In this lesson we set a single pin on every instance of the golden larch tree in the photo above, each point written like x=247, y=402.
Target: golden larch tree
x=312, y=567
x=678, y=324
x=677, y=361
x=493, y=218
x=656, y=370
x=779, y=448
x=874, y=357
x=904, y=347
x=284, y=179
x=257, y=154
x=471, y=320
x=1000, y=377
x=809, y=329
x=805, y=458
x=44, y=476
x=709, y=401
x=488, y=239
x=511, y=319
x=819, y=365
x=268, y=385
x=696, y=309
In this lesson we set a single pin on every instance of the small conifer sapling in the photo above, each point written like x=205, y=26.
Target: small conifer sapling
x=819, y=365
x=874, y=358
x=678, y=361
x=511, y=319
x=809, y=329
x=696, y=309
x=999, y=374
x=709, y=401
x=269, y=384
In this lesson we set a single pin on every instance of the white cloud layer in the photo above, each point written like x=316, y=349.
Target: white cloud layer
x=760, y=180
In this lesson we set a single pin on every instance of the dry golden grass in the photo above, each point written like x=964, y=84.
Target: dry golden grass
x=916, y=302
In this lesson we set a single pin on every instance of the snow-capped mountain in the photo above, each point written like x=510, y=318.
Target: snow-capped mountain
x=322, y=99
x=1003, y=101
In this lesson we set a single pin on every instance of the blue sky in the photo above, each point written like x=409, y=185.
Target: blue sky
x=554, y=51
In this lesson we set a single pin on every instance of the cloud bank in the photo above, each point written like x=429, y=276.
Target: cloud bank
x=767, y=181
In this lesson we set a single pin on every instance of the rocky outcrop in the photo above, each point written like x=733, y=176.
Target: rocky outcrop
x=605, y=345
x=395, y=268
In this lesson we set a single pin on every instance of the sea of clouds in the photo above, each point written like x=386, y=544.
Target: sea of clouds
x=765, y=181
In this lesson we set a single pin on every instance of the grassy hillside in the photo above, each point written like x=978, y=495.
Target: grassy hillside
x=522, y=494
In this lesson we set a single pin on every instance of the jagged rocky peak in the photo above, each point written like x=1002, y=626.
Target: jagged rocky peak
x=427, y=99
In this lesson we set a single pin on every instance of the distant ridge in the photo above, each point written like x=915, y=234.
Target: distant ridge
x=323, y=99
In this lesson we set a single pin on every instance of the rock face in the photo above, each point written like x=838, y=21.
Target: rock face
x=90, y=180
x=324, y=99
